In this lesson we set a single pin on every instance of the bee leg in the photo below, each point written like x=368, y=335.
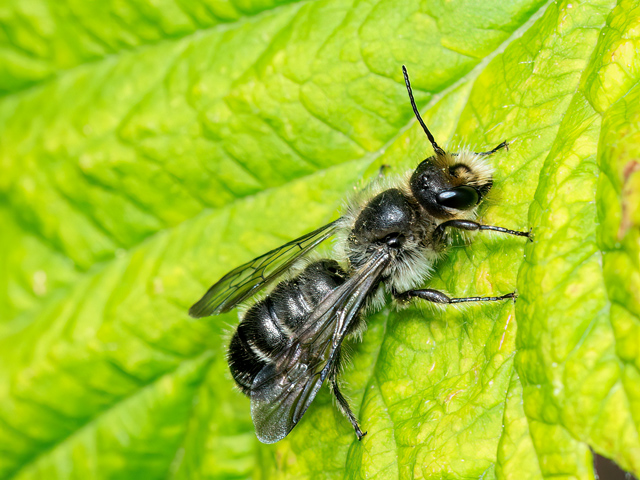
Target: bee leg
x=469, y=225
x=436, y=296
x=382, y=170
x=344, y=408
x=491, y=152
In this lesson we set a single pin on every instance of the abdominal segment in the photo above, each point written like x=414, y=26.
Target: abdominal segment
x=272, y=324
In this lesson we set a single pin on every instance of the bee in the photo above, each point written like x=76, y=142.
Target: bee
x=290, y=342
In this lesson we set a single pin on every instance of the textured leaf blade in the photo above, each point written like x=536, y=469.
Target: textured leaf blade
x=148, y=174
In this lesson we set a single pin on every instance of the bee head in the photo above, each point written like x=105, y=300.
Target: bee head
x=448, y=185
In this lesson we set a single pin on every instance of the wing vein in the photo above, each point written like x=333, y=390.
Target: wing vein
x=246, y=280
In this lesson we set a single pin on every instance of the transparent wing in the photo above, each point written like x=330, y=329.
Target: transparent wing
x=283, y=390
x=246, y=280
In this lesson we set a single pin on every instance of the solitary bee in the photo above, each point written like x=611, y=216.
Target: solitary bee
x=288, y=343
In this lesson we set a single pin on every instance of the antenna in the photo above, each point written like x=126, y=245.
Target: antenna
x=435, y=146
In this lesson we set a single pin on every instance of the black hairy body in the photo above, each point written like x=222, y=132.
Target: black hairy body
x=271, y=324
x=388, y=239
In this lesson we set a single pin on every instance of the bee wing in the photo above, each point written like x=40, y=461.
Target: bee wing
x=283, y=390
x=244, y=281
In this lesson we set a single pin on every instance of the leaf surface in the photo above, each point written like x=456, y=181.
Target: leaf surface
x=148, y=150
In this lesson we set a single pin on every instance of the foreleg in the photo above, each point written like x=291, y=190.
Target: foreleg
x=470, y=225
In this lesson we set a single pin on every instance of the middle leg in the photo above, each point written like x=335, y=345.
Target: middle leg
x=436, y=296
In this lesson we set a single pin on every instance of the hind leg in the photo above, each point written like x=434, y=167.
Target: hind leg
x=345, y=409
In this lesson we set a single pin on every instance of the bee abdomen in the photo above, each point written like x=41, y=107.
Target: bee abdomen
x=244, y=363
x=264, y=333
x=271, y=325
x=255, y=342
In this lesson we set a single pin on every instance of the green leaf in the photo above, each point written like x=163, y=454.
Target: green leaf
x=148, y=149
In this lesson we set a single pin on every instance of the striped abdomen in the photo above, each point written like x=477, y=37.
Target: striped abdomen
x=271, y=324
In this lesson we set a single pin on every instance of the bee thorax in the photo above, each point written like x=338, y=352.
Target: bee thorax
x=384, y=220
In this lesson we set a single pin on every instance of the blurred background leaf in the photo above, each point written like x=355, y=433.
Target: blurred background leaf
x=148, y=148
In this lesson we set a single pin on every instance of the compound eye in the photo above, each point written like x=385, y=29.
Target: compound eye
x=460, y=198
